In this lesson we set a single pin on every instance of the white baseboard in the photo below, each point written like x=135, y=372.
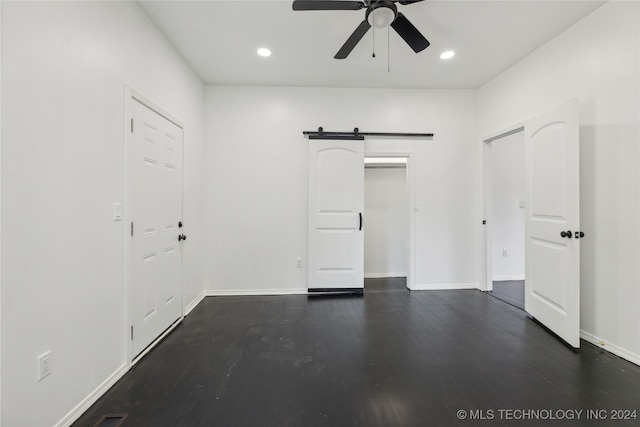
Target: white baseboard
x=99, y=391
x=507, y=278
x=194, y=303
x=254, y=292
x=157, y=341
x=445, y=286
x=612, y=348
x=383, y=275
x=93, y=397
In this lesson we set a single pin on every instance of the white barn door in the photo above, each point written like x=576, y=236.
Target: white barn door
x=552, y=266
x=156, y=197
x=336, y=203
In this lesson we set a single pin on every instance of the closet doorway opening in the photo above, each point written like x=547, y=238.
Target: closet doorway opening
x=387, y=224
x=505, y=206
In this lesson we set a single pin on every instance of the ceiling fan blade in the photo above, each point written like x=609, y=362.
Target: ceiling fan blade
x=353, y=40
x=327, y=5
x=405, y=2
x=409, y=33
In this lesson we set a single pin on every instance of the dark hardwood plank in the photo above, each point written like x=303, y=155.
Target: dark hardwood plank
x=509, y=291
x=386, y=358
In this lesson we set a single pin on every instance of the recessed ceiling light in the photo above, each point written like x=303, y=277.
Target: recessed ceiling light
x=447, y=54
x=263, y=51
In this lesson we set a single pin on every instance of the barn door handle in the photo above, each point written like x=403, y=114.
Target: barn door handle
x=360, y=216
x=567, y=234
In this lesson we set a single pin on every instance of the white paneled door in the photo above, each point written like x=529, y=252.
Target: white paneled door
x=336, y=203
x=156, y=197
x=552, y=225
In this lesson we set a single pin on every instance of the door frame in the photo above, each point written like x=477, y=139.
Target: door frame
x=487, y=282
x=131, y=96
x=411, y=241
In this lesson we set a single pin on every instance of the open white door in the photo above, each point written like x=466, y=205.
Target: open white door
x=552, y=269
x=155, y=228
x=336, y=202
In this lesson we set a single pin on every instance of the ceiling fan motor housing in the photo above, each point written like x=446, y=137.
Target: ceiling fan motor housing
x=381, y=13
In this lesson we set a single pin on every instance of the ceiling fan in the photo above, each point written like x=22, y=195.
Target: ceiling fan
x=379, y=14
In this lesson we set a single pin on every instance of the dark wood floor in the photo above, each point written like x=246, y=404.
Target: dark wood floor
x=390, y=357
x=509, y=291
x=390, y=284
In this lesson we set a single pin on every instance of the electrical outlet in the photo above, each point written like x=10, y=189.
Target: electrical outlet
x=505, y=252
x=299, y=263
x=44, y=365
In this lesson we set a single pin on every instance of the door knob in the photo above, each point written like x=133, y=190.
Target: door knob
x=182, y=237
x=579, y=234
x=567, y=234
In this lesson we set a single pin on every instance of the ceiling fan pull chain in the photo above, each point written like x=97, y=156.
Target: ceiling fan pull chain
x=388, y=51
x=373, y=32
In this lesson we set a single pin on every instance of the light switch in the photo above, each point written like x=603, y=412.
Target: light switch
x=117, y=211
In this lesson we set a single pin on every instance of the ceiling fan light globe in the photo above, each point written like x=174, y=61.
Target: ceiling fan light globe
x=381, y=17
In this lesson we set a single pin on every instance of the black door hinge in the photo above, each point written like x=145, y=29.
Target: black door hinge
x=484, y=222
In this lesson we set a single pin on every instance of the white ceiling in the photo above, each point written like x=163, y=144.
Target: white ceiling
x=219, y=39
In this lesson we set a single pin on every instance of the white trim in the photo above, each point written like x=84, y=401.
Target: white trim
x=611, y=348
x=0, y=214
x=509, y=130
x=99, y=391
x=508, y=278
x=254, y=292
x=73, y=415
x=445, y=286
x=131, y=96
x=386, y=161
x=153, y=106
x=384, y=275
x=411, y=241
x=487, y=280
x=126, y=220
x=193, y=304
x=156, y=341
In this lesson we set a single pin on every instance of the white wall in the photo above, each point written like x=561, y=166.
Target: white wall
x=256, y=192
x=507, y=216
x=597, y=61
x=386, y=222
x=64, y=68
x=0, y=213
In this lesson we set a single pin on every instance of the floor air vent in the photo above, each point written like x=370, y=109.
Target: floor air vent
x=111, y=420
